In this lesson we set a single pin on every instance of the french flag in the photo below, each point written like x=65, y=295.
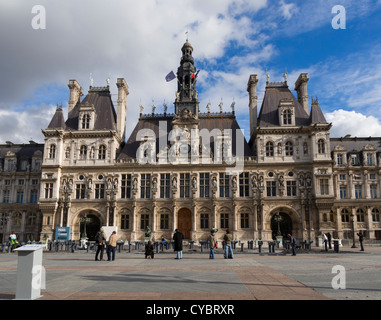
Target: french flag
x=194, y=75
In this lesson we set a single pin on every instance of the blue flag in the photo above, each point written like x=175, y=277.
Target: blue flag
x=170, y=76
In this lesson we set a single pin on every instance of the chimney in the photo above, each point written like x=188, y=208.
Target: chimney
x=122, y=107
x=76, y=92
x=252, y=90
x=301, y=89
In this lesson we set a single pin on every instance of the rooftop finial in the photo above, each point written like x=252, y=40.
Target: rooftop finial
x=267, y=76
x=285, y=76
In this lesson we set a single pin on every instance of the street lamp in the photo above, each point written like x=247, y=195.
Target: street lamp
x=353, y=230
x=85, y=219
x=278, y=219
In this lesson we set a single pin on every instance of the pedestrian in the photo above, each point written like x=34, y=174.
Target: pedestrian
x=361, y=239
x=293, y=243
x=329, y=240
x=228, y=252
x=111, y=247
x=100, y=240
x=178, y=244
x=13, y=241
x=149, y=250
x=325, y=238
x=163, y=241
x=212, y=244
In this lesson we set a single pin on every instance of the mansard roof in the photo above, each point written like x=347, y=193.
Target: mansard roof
x=20, y=151
x=354, y=144
x=209, y=122
x=268, y=116
x=105, y=115
x=58, y=121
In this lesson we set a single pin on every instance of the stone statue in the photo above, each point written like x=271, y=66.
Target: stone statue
x=148, y=232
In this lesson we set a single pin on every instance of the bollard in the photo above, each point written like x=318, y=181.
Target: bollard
x=260, y=243
x=88, y=247
x=336, y=246
x=3, y=247
x=72, y=246
x=242, y=247
x=202, y=247
x=56, y=246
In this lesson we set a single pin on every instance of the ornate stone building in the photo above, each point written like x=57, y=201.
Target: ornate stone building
x=194, y=171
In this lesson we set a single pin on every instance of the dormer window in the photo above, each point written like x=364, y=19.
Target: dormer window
x=86, y=121
x=287, y=117
x=289, y=149
x=52, y=151
x=102, y=152
x=269, y=149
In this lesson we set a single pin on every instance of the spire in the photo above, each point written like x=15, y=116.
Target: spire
x=317, y=115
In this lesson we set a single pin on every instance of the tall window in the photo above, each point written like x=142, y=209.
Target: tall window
x=324, y=187
x=52, y=151
x=165, y=185
x=375, y=215
x=244, y=184
x=369, y=159
x=287, y=117
x=373, y=191
x=144, y=221
x=20, y=196
x=343, y=192
x=271, y=188
x=99, y=190
x=80, y=191
x=33, y=196
x=86, y=121
x=355, y=160
x=360, y=216
x=32, y=219
x=204, y=221
x=164, y=221
x=269, y=149
x=291, y=188
x=6, y=196
x=125, y=186
x=102, y=152
x=125, y=221
x=321, y=146
x=224, y=220
x=10, y=165
x=83, y=153
x=184, y=185
x=244, y=220
x=145, y=186
x=48, y=190
x=358, y=191
x=224, y=185
x=344, y=215
x=204, y=185
x=289, y=148
x=340, y=159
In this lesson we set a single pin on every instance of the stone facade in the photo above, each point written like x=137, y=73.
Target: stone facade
x=290, y=177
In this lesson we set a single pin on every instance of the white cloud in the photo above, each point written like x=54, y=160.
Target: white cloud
x=353, y=123
x=288, y=10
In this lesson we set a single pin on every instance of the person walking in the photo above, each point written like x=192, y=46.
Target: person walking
x=329, y=240
x=361, y=239
x=178, y=238
x=111, y=247
x=293, y=243
x=228, y=252
x=212, y=244
x=100, y=240
x=149, y=250
x=325, y=238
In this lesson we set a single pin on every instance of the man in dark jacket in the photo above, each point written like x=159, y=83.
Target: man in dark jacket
x=361, y=239
x=178, y=244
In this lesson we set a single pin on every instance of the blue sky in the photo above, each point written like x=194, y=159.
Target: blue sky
x=141, y=41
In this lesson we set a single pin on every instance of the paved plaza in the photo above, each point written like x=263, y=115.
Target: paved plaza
x=249, y=276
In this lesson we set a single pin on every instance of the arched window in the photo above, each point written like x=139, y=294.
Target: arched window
x=269, y=149
x=83, y=153
x=345, y=215
x=321, y=146
x=360, y=215
x=102, y=152
x=289, y=148
x=86, y=121
x=287, y=117
x=52, y=151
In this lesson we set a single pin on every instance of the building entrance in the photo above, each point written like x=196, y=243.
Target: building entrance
x=281, y=224
x=89, y=226
x=185, y=222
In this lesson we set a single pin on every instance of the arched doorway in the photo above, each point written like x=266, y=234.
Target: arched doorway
x=89, y=225
x=281, y=223
x=185, y=222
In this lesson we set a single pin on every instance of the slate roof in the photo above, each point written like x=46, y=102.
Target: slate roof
x=105, y=118
x=22, y=152
x=129, y=150
x=268, y=116
x=58, y=121
x=356, y=144
x=317, y=115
